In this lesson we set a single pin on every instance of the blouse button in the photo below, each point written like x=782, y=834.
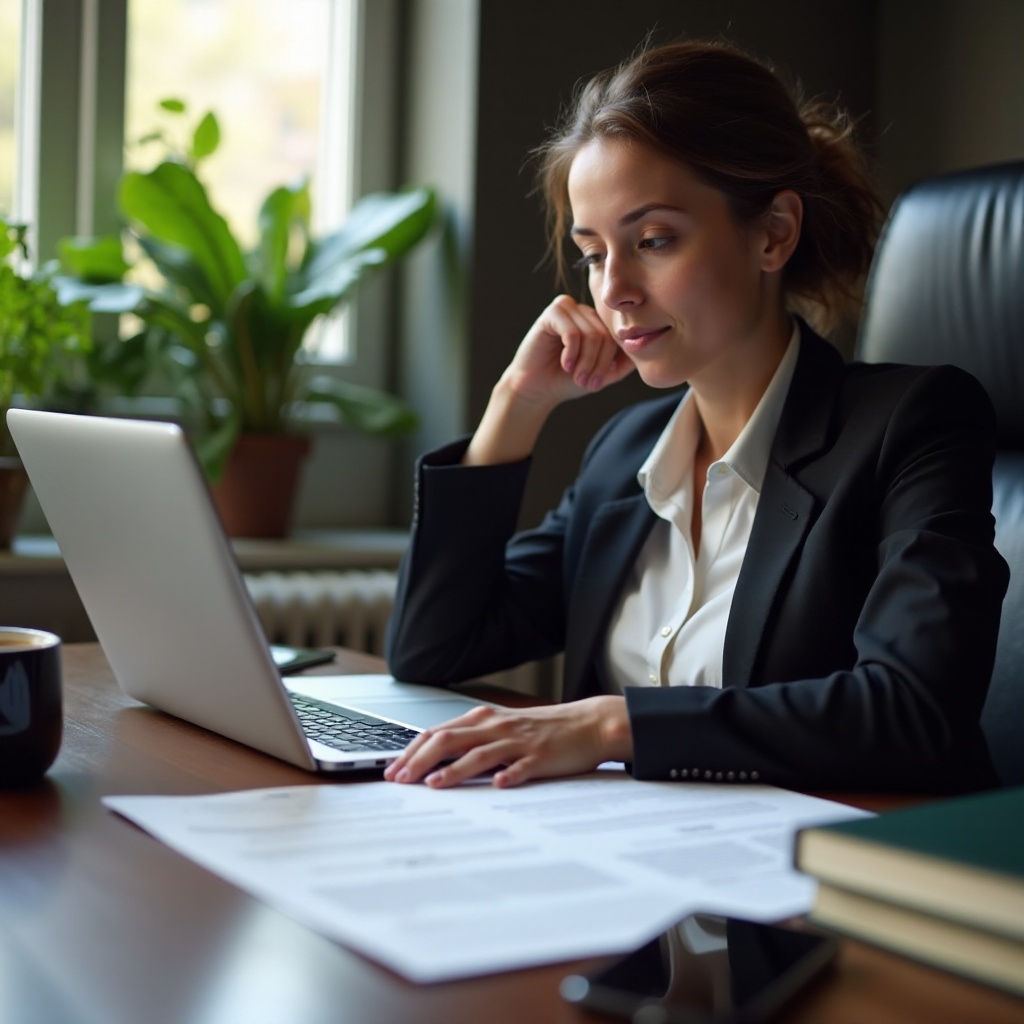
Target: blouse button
x=666, y=630
x=652, y=678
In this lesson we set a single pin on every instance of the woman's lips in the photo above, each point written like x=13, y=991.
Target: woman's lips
x=635, y=339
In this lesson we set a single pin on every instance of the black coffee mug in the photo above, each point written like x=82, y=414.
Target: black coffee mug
x=31, y=704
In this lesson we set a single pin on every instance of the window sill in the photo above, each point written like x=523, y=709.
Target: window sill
x=36, y=589
x=305, y=550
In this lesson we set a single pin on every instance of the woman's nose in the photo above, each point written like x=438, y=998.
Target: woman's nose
x=619, y=285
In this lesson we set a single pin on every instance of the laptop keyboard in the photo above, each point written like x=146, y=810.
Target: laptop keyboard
x=349, y=732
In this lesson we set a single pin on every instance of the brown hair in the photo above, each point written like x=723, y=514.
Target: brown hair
x=733, y=122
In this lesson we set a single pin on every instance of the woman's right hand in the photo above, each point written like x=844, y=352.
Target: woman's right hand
x=568, y=352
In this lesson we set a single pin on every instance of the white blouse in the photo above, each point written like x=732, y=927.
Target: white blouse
x=669, y=626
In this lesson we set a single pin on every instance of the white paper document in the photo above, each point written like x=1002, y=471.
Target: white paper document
x=441, y=884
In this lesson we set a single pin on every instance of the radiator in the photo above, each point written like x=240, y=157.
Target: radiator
x=351, y=609
x=324, y=609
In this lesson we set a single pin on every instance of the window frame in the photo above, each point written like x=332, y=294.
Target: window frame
x=71, y=150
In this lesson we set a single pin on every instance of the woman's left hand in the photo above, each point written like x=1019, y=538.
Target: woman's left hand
x=518, y=744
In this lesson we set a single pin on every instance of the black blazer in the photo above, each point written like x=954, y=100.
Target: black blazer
x=863, y=626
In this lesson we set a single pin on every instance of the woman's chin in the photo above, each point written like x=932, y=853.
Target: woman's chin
x=660, y=377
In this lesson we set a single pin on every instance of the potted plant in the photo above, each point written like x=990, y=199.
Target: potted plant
x=226, y=325
x=39, y=337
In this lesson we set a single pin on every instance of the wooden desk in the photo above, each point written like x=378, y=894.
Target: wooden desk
x=101, y=924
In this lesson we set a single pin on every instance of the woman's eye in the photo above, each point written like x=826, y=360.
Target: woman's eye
x=658, y=242
x=588, y=259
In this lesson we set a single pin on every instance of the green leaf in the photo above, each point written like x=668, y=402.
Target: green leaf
x=187, y=279
x=333, y=283
x=12, y=237
x=41, y=339
x=114, y=297
x=96, y=260
x=173, y=106
x=283, y=208
x=365, y=409
x=254, y=336
x=206, y=137
x=380, y=228
x=393, y=223
x=213, y=447
x=163, y=313
x=170, y=204
x=124, y=364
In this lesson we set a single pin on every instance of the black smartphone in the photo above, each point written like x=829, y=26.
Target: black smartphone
x=706, y=970
x=295, y=659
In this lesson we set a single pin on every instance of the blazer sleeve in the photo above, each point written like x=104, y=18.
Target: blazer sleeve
x=465, y=606
x=902, y=713
x=476, y=597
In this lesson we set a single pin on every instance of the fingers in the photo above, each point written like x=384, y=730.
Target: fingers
x=466, y=737
x=567, y=352
x=511, y=770
x=518, y=745
x=474, y=744
x=588, y=350
x=478, y=761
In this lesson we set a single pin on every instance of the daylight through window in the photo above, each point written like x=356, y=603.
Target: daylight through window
x=278, y=77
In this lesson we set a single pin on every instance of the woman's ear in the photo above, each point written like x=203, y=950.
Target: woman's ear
x=782, y=230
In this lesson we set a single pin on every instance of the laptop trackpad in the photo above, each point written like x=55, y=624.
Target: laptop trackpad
x=418, y=714
x=416, y=706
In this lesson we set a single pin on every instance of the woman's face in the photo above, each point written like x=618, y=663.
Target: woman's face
x=674, y=278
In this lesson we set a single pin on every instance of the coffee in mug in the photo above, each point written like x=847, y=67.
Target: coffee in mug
x=31, y=704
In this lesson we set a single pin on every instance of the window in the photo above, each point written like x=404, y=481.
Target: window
x=277, y=75
x=10, y=66
x=92, y=80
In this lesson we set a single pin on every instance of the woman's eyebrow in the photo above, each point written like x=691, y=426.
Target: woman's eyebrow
x=629, y=218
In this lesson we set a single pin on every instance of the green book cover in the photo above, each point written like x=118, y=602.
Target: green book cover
x=985, y=830
x=961, y=859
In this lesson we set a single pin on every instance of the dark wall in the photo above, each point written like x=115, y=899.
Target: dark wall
x=532, y=54
x=950, y=87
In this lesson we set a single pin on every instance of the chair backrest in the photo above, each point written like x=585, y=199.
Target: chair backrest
x=947, y=286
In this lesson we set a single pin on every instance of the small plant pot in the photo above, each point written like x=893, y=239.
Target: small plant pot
x=256, y=494
x=13, y=485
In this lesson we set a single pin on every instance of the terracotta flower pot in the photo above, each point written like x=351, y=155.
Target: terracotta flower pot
x=256, y=494
x=13, y=485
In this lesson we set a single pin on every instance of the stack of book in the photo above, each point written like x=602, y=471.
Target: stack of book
x=941, y=882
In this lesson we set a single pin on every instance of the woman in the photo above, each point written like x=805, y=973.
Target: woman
x=786, y=575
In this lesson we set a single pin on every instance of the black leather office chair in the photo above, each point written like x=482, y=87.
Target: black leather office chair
x=947, y=286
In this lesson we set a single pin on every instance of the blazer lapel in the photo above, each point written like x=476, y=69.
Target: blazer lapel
x=785, y=510
x=616, y=534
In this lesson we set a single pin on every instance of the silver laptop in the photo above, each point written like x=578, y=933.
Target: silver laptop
x=129, y=507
